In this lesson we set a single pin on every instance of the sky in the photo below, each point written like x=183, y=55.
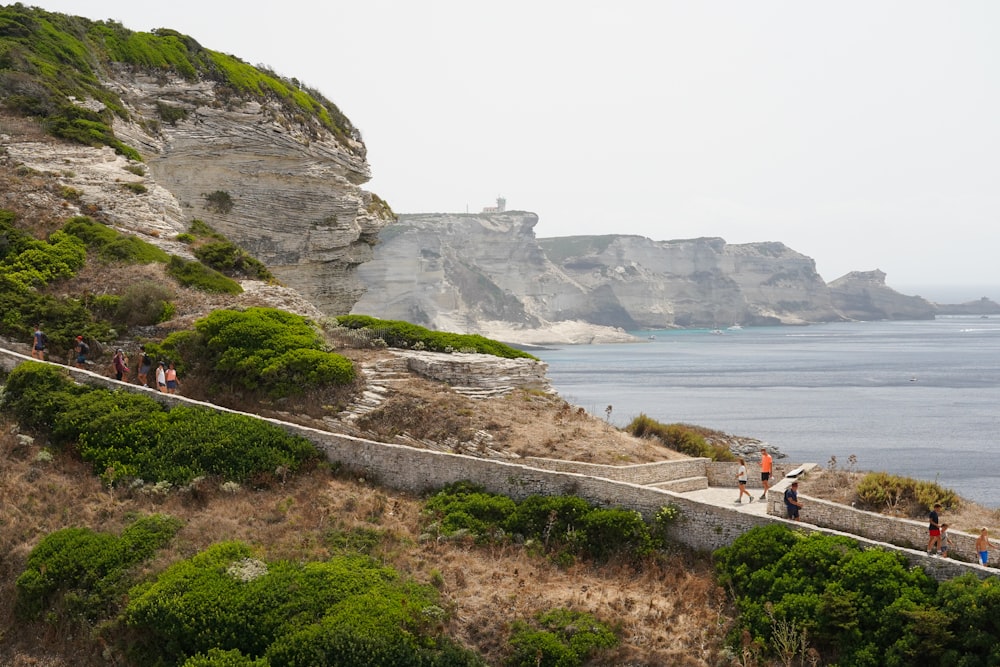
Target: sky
x=865, y=135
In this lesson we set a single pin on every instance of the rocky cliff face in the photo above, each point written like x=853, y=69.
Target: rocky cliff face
x=863, y=295
x=291, y=189
x=487, y=273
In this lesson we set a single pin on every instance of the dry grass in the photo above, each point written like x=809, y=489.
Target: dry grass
x=838, y=482
x=669, y=610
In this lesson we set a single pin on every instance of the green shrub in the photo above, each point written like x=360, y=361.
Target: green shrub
x=463, y=506
x=683, y=438
x=266, y=349
x=186, y=238
x=144, y=303
x=879, y=491
x=559, y=638
x=227, y=258
x=126, y=435
x=37, y=263
x=217, y=657
x=135, y=187
x=348, y=610
x=85, y=571
x=202, y=229
x=852, y=603
x=112, y=246
x=198, y=276
x=608, y=531
x=563, y=525
x=35, y=393
x=219, y=201
x=553, y=519
x=404, y=334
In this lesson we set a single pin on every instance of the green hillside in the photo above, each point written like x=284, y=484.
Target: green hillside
x=51, y=63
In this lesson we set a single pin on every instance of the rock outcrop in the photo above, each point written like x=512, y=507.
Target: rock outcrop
x=274, y=167
x=487, y=273
x=863, y=295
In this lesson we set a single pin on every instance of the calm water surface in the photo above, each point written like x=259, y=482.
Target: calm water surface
x=912, y=398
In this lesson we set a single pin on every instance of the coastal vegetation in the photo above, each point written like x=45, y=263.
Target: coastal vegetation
x=397, y=333
x=822, y=599
x=50, y=62
x=684, y=438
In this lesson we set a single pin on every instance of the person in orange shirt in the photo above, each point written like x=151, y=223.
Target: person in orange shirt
x=766, y=465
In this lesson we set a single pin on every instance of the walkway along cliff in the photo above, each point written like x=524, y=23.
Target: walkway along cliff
x=708, y=519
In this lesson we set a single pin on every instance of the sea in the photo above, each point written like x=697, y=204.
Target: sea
x=917, y=398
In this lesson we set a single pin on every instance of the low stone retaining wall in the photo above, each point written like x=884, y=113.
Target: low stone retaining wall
x=702, y=526
x=723, y=473
x=640, y=473
x=875, y=526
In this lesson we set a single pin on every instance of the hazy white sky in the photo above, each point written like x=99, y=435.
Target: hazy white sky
x=862, y=134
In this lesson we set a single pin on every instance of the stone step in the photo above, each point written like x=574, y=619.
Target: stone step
x=683, y=484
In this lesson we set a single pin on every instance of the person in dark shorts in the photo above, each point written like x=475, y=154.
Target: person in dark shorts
x=82, y=350
x=39, y=341
x=766, y=465
x=145, y=365
x=792, y=504
x=934, y=531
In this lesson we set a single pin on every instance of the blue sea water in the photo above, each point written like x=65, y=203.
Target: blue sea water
x=920, y=399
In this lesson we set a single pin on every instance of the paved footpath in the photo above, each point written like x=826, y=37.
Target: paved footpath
x=726, y=497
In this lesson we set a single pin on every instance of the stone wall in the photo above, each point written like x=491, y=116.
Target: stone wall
x=641, y=473
x=723, y=473
x=703, y=526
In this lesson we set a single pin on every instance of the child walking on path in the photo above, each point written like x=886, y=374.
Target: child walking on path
x=983, y=545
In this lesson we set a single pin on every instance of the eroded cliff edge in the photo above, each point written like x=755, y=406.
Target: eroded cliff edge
x=488, y=273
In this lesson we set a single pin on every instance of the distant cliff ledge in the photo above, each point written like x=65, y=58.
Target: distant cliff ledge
x=488, y=273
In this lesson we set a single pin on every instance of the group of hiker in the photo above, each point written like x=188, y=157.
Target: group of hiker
x=165, y=376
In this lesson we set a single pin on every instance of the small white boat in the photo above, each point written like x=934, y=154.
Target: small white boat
x=735, y=327
x=716, y=332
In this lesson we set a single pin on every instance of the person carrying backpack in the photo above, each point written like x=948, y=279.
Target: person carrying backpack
x=145, y=364
x=82, y=350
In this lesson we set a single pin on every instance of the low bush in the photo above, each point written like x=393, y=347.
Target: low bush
x=131, y=436
x=559, y=638
x=879, y=491
x=857, y=606
x=144, y=303
x=397, y=333
x=86, y=572
x=113, y=246
x=563, y=525
x=348, y=610
x=198, y=276
x=261, y=349
x=231, y=260
x=683, y=438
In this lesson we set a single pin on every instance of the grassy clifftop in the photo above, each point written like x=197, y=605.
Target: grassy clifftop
x=50, y=63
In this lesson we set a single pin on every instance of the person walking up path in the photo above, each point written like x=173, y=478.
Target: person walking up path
x=934, y=531
x=766, y=465
x=161, y=378
x=118, y=362
x=741, y=479
x=145, y=364
x=792, y=504
x=82, y=350
x=39, y=341
x=983, y=545
x=171, y=378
